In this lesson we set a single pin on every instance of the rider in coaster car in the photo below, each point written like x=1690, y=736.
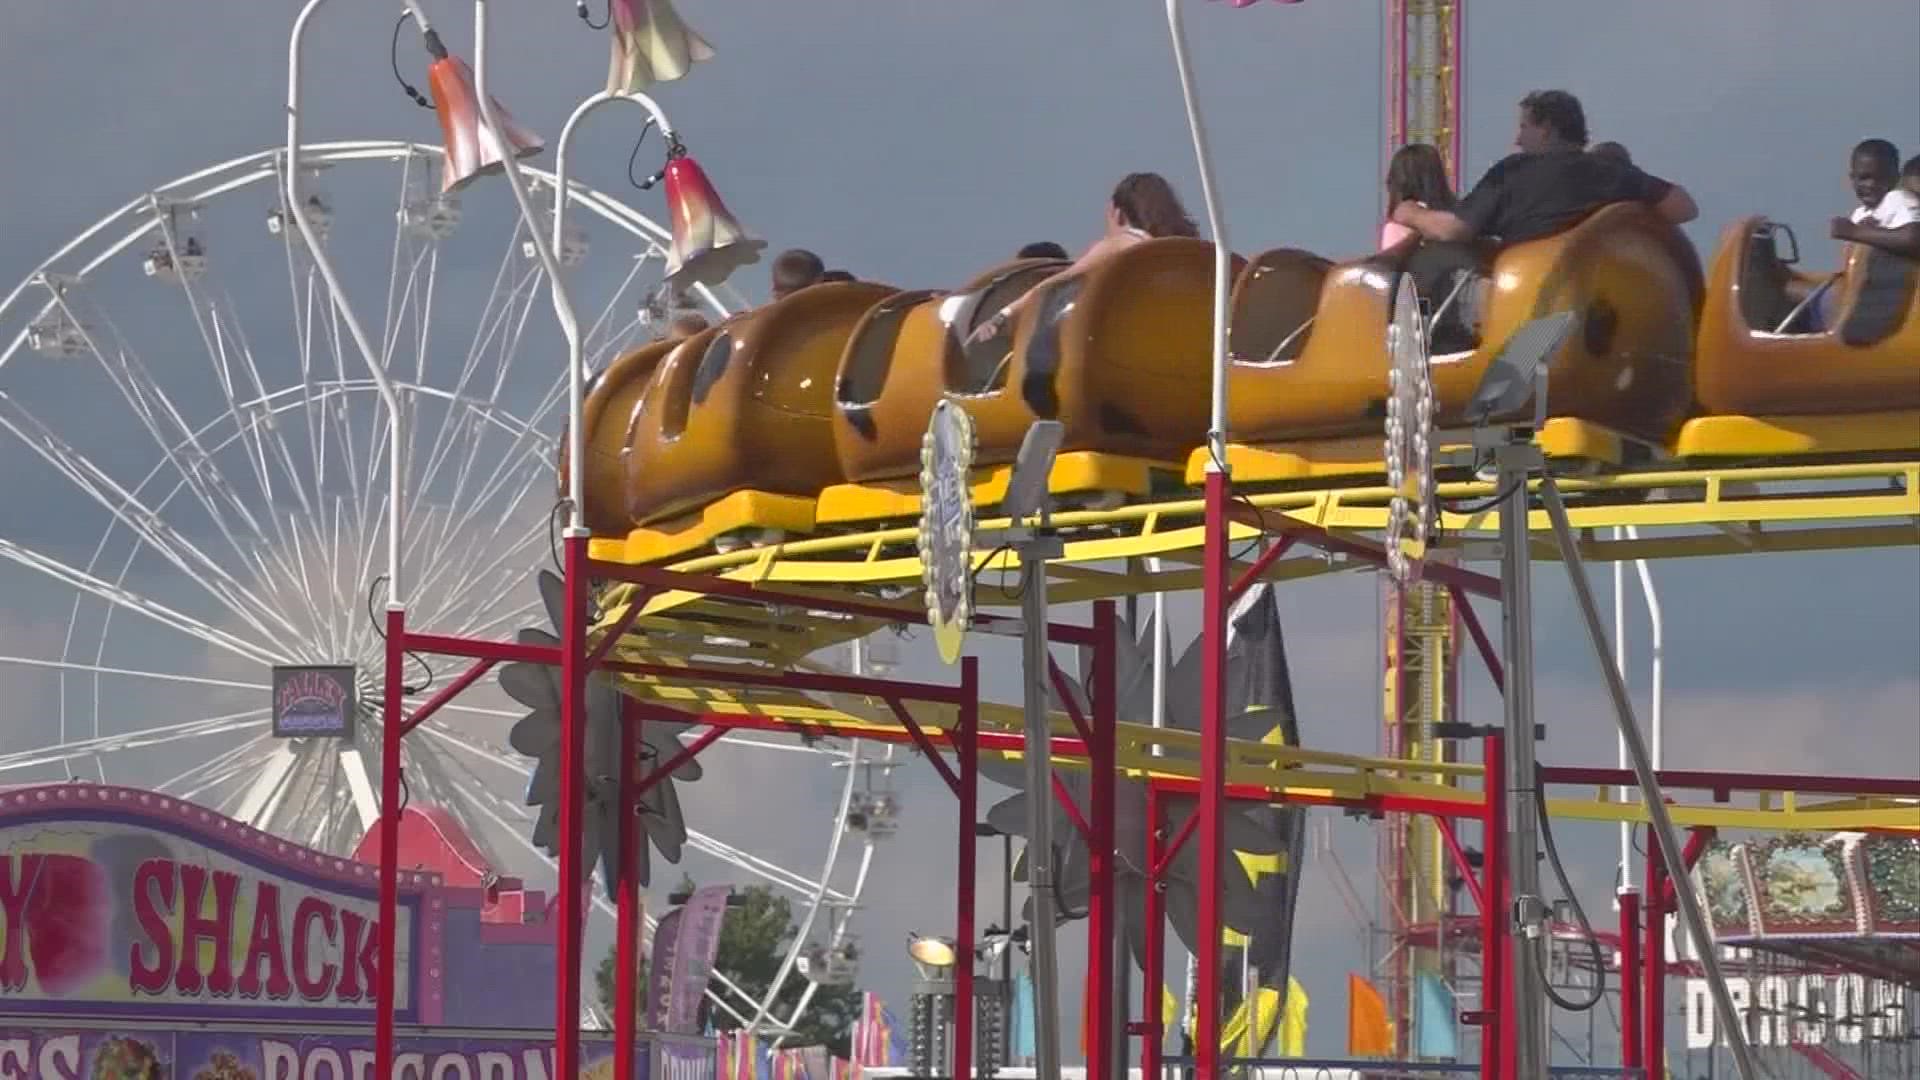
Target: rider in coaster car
x=1550, y=185
x=1143, y=207
x=795, y=269
x=1888, y=216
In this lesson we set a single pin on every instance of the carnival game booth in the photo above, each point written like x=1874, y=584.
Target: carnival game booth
x=150, y=937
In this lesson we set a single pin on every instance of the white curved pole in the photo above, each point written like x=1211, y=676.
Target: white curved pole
x=562, y=305
x=1222, y=257
x=296, y=208
x=1652, y=597
x=1657, y=628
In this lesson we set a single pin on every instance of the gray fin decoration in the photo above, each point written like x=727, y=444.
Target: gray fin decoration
x=537, y=735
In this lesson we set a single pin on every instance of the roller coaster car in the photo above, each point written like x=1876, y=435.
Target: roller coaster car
x=1118, y=354
x=1309, y=344
x=736, y=423
x=612, y=398
x=1775, y=383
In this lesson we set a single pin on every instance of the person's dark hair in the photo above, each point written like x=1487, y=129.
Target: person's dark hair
x=1880, y=152
x=795, y=269
x=685, y=324
x=1611, y=151
x=1147, y=202
x=1042, y=249
x=1912, y=167
x=1560, y=111
x=836, y=275
x=1418, y=172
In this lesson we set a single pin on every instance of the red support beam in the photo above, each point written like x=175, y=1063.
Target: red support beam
x=926, y=744
x=447, y=693
x=626, y=980
x=687, y=753
x=1100, y=914
x=1065, y=798
x=572, y=868
x=1490, y=655
x=1630, y=1045
x=1213, y=774
x=1697, y=841
x=1180, y=838
x=968, y=753
x=619, y=629
x=1493, y=914
x=391, y=728
x=1154, y=981
x=1653, y=960
x=504, y=652
x=1329, y=541
x=1255, y=572
x=1452, y=840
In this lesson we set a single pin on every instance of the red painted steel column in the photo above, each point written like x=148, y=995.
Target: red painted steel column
x=1653, y=960
x=391, y=718
x=626, y=982
x=1630, y=1047
x=1154, y=979
x=1493, y=916
x=1213, y=758
x=573, y=727
x=1100, y=913
x=967, y=750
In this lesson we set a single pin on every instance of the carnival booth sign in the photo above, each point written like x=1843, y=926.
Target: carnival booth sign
x=125, y=903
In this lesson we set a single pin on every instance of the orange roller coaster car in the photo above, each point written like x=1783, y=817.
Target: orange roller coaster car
x=613, y=398
x=807, y=414
x=1308, y=381
x=745, y=407
x=1773, y=381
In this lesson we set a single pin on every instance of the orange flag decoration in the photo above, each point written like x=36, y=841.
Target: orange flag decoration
x=1369, y=1032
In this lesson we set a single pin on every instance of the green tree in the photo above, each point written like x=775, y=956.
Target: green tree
x=603, y=982
x=754, y=937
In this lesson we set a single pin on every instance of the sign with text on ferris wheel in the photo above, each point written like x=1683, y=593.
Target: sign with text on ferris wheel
x=314, y=701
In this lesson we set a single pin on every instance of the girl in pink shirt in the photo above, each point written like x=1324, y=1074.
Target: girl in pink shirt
x=1417, y=174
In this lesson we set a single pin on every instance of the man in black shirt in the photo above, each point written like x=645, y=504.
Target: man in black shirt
x=1548, y=187
x=1551, y=185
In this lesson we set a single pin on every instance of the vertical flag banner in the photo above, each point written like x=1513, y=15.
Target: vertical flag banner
x=1369, y=1032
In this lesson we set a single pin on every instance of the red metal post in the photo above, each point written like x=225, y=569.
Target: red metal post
x=967, y=751
x=626, y=981
x=1100, y=914
x=1213, y=760
x=392, y=727
x=1493, y=913
x=1653, y=961
x=1152, y=991
x=573, y=729
x=1630, y=1047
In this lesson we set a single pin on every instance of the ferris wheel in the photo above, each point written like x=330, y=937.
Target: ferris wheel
x=194, y=495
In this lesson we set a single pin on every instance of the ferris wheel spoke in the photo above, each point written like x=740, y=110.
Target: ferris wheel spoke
x=163, y=676
x=495, y=318
x=474, y=583
x=131, y=601
x=158, y=736
x=217, y=769
x=141, y=520
x=152, y=406
x=600, y=321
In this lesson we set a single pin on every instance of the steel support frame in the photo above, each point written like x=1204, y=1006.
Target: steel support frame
x=578, y=658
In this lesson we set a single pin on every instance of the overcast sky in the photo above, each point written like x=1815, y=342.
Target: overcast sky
x=916, y=143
